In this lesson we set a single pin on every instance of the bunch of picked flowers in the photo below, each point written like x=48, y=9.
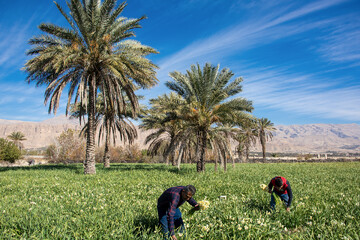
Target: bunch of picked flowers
x=204, y=204
x=264, y=187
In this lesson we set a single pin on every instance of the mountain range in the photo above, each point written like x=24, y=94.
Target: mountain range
x=309, y=138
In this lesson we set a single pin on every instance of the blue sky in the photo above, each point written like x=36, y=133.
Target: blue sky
x=300, y=60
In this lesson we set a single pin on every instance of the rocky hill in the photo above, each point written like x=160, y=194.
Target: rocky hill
x=310, y=138
x=316, y=138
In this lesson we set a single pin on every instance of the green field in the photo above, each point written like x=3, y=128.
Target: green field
x=59, y=202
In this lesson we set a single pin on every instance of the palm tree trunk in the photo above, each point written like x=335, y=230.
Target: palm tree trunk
x=89, y=166
x=106, y=158
x=197, y=153
x=179, y=158
x=186, y=159
x=216, y=161
x=221, y=161
x=182, y=153
x=201, y=153
x=262, y=141
x=247, y=152
x=233, y=161
x=173, y=160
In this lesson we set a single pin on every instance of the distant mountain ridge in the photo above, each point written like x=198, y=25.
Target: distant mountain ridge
x=309, y=138
x=316, y=138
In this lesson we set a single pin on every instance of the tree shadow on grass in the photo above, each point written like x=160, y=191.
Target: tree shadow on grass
x=145, y=225
x=51, y=167
x=78, y=168
x=145, y=167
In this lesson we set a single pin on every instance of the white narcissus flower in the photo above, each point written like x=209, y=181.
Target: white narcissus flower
x=206, y=228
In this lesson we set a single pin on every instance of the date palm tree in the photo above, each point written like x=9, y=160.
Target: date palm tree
x=210, y=97
x=94, y=56
x=167, y=133
x=219, y=140
x=110, y=125
x=246, y=135
x=265, y=129
x=17, y=138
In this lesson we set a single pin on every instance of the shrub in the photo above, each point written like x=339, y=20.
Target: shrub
x=69, y=146
x=9, y=151
x=308, y=156
x=132, y=153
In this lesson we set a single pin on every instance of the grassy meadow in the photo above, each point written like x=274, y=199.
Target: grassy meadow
x=60, y=202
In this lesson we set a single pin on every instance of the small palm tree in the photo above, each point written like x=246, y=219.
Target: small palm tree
x=17, y=138
x=246, y=135
x=265, y=129
x=94, y=56
x=219, y=139
x=166, y=136
x=207, y=92
x=110, y=125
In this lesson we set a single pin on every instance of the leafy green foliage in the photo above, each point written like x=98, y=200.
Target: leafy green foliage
x=59, y=202
x=9, y=151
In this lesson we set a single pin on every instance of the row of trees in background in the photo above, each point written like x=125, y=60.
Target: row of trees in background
x=101, y=69
x=69, y=147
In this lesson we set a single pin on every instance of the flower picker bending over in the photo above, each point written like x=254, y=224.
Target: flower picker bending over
x=168, y=208
x=281, y=187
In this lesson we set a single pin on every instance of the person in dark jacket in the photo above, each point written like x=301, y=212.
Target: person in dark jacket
x=281, y=187
x=169, y=213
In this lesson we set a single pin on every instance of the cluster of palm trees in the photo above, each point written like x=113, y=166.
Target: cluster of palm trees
x=101, y=68
x=202, y=114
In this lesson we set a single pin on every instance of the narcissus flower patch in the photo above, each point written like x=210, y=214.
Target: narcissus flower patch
x=59, y=202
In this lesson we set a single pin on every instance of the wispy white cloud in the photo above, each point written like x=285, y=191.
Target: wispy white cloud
x=12, y=46
x=276, y=88
x=254, y=32
x=341, y=44
x=273, y=90
x=20, y=99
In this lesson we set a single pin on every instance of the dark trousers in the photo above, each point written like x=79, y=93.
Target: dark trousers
x=163, y=221
x=283, y=197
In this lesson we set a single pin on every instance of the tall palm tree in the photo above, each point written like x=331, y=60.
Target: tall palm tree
x=207, y=92
x=93, y=57
x=265, y=129
x=17, y=138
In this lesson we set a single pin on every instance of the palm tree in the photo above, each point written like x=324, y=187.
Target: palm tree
x=17, y=138
x=265, y=128
x=219, y=139
x=246, y=135
x=166, y=136
x=93, y=57
x=110, y=125
x=207, y=91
